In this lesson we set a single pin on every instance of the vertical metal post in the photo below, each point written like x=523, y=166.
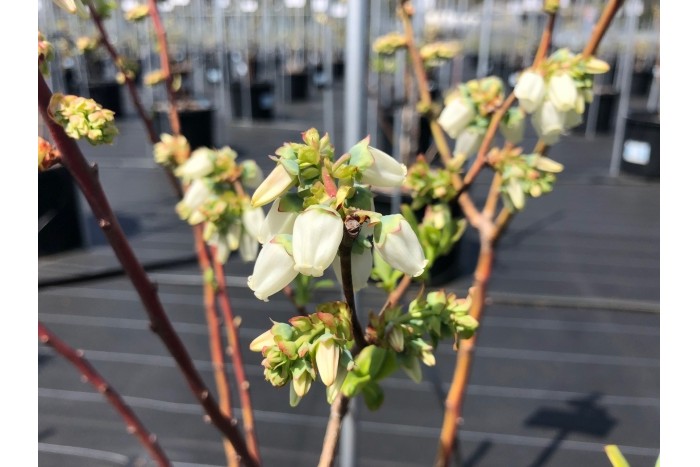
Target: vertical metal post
x=633, y=10
x=400, y=95
x=328, y=116
x=482, y=67
x=355, y=71
x=356, y=44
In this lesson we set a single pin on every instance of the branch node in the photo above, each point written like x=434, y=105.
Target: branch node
x=204, y=395
x=207, y=419
x=44, y=339
x=105, y=224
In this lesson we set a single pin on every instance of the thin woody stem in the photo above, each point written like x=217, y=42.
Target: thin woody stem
x=601, y=27
x=104, y=39
x=545, y=41
x=289, y=293
x=133, y=424
x=165, y=66
x=217, y=353
x=422, y=80
x=330, y=441
x=493, y=196
x=490, y=234
x=488, y=139
x=86, y=180
x=234, y=351
x=131, y=86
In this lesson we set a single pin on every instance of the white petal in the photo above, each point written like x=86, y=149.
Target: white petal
x=455, y=117
x=273, y=271
x=248, y=247
x=561, y=91
x=530, y=91
x=403, y=251
x=275, y=185
x=385, y=172
x=276, y=222
x=316, y=237
x=253, y=219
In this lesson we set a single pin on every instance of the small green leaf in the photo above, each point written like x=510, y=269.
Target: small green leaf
x=373, y=395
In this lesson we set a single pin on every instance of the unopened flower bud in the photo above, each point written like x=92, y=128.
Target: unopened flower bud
x=195, y=196
x=396, y=338
x=275, y=185
x=327, y=357
x=385, y=171
x=265, y=339
x=251, y=175
x=74, y=7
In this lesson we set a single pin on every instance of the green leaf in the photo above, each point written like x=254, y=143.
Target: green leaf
x=360, y=156
x=373, y=395
x=323, y=284
x=291, y=166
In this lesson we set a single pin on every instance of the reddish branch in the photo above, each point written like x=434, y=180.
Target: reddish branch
x=104, y=39
x=165, y=66
x=86, y=180
x=234, y=350
x=217, y=352
x=490, y=232
x=133, y=424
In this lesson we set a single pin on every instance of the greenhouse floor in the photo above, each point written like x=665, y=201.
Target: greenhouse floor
x=567, y=359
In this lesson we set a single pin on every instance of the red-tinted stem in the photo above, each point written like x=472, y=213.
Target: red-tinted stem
x=133, y=424
x=73, y=159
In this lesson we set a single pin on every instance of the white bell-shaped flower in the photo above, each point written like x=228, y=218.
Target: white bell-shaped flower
x=361, y=268
x=562, y=92
x=548, y=122
x=200, y=164
x=398, y=245
x=468, y=142
x=530, y=91
x=456, y=116
x=316, y=238
x=253, y=219
x=385, y=171
x=273, y=270
x=276, y=222
x=195, y=196
x=275, y=185
x=248, y=247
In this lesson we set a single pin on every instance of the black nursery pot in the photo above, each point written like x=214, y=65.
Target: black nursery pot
x=262, y=99
x=59, y=212
x=196, y=121
x=298, y=85
x=642, y=145
x=108, y=95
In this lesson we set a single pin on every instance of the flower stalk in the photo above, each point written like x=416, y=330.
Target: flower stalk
x=133, y=424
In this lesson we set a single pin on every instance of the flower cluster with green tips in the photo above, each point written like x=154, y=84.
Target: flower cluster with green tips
x=136, y=13
x=212, y=197
x=468, y=111
x=308, y=347
x=429, y=184
x=556, y=93
x=404, y=340
x=314, y=198
x=83, y=118
x=523, y=175
x=435, y=54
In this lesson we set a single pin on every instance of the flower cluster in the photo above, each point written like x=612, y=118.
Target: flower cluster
x=83, y=118
x=212, y=197
x=415, y=334
x=436, y=53
x=154, y=77
x=304, y=228
x=389, y=43
x=468, y=112
x=532, y=174
x=556, y=93
x=428, y=184
x=136, y=13
x=311, y=346
x=46, y=54
x=129, y=67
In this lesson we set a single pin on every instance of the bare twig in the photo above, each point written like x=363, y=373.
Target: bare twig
x=234, y=351
x=86, y=180
x=330, y=441
x=602, y=26
x=217, y=353
x=133, y=424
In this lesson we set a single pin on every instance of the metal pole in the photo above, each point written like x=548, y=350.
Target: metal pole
x=482, y=67
x=632, y=13
x=356, y=44
x=355, y=71
x=328, y=116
